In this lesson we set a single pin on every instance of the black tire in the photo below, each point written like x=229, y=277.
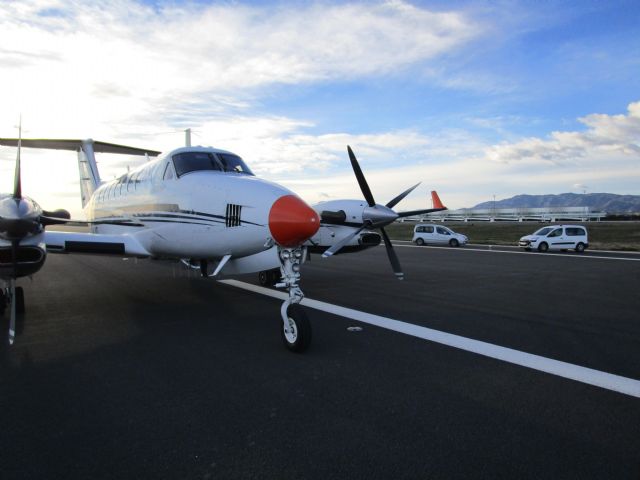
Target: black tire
x=19, y=300
x=580, y=247
x=420, y=242
x=454, y=243
x=275, y=275
x=300, y=338
x=268, y=278
x=543, y=247
x=3, y=302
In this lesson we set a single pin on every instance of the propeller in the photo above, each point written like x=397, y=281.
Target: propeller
x=20, y=217
x=17, y=197
x=378, y=216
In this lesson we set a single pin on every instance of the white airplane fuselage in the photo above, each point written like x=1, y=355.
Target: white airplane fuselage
x=201, y=214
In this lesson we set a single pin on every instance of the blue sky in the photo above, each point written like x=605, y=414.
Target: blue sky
x=471, y=98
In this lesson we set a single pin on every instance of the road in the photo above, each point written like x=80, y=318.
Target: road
x=139, y=369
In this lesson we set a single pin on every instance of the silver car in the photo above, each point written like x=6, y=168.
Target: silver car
x=428, y=234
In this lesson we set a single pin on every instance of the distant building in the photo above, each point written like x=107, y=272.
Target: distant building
x=545, y=214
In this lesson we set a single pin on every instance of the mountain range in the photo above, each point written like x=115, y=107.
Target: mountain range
x=605, y=202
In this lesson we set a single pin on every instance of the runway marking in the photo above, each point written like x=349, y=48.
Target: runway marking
x=609, y=381
x=540, y=255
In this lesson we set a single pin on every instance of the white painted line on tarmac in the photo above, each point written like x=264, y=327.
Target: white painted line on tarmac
x=540, y=255
x=609, y=381
x=515, y=247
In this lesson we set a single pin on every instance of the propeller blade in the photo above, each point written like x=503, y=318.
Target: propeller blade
x=364, y=187
x=17, y=184
x=60, y=213
x=399, y=198
x=12, y=291
x=411, y=213
x=393, y=258
x=46, y=221
x=337, y=246
x=12, y=321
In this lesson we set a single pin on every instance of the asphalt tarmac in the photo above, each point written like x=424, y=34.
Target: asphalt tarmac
x=140, y=369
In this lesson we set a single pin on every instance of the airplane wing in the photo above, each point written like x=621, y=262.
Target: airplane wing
x=74, y=145
x=94, y=243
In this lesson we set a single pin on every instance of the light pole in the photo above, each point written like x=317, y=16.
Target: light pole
x=493, y=217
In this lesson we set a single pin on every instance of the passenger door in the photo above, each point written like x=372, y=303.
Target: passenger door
x=557, y=240
x=425, y=232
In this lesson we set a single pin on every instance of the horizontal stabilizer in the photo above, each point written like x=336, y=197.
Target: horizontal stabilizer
x=75, y=145
x=437, y=207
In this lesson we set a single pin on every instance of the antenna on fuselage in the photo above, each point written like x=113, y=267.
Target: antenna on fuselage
x=187, y=137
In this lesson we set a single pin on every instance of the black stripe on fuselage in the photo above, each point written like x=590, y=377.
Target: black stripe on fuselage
x=175, y=218
x=163, y=218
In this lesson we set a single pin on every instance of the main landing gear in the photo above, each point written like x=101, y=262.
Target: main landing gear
x=296, y=329
x=269, y=278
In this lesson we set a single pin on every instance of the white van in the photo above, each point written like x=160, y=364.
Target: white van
x=557, y=237
x=428, y=234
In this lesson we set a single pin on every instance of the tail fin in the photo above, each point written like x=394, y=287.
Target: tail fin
x=89, y=176
x=437, y=204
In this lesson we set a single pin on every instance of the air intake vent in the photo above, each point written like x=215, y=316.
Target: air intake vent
x=232, y=217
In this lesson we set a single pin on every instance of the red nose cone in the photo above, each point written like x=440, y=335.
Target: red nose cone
x=292, y=221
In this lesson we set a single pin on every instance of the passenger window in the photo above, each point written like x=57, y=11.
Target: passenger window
x=121, y=181
x=442, y=231
x=575, y=232
x=428, y=229
x=556, y=233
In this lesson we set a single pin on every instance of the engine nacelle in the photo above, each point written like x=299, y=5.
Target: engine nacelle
x=341, y=212
x=338, y=219
x=327, y=235
x=28, y=260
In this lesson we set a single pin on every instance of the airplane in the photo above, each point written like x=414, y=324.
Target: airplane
x=200, y=205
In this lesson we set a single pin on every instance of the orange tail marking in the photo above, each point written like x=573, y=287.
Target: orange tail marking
x=436, y=200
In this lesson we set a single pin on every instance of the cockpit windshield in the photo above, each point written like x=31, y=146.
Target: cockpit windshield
x=187, y=162
x=233, y=163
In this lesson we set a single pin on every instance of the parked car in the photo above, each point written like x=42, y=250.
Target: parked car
x=428, y=234
x=557, y=237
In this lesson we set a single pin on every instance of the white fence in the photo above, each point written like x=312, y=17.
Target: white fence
x=547, y=214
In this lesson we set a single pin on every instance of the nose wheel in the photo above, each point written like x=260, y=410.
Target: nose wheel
x=296, y=329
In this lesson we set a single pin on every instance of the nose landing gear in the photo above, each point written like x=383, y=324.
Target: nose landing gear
x=296, y=329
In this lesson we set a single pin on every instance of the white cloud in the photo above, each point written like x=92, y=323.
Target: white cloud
x=124, y=63
x=608, y=138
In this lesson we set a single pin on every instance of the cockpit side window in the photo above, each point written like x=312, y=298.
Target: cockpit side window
x=168, y=172
x=233, y=163
x=195, y=161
